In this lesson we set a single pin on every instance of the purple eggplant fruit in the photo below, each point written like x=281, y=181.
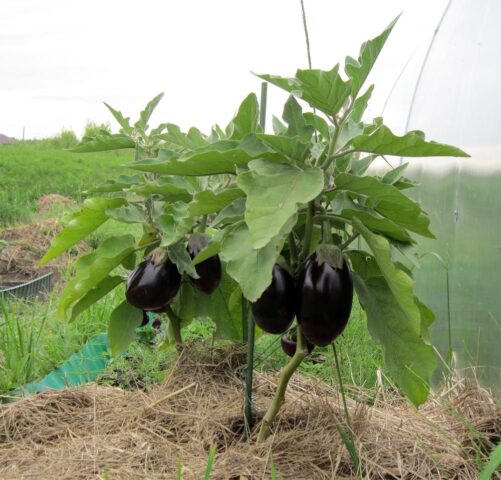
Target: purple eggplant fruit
x=152, y=286
x=209, y=271
x=325, y=297
x=274, y=311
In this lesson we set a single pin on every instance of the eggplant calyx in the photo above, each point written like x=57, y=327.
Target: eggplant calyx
x=329, y=254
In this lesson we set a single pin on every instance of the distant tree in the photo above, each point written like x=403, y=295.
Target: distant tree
x=93, y=129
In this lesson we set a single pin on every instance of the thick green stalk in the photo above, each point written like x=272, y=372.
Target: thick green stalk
x=285, y=376
x=251, y=331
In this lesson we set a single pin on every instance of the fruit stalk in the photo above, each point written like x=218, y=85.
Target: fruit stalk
x=285, y=376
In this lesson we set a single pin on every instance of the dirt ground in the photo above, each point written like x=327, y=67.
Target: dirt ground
x=105, y=432
x=22, y=246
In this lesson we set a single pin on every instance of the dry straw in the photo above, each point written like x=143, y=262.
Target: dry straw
x=102, y=432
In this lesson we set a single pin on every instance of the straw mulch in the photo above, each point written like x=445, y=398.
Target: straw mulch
x=104, y=432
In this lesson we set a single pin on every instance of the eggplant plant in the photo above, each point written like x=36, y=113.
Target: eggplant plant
x=291, y=220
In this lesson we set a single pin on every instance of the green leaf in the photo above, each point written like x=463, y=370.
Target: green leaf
x=122, y=328
x=191, y=303
x=101, y=143
x=250, y=267
x=210, y=202
x=89, y=218
x=174, y=223
x=192, y=140
x=212, y=248
x=145, y=115
x=246, y=120
x=413, y=144
x=394, y=175
x=290, y=147
x=232, y=213
x=278, y=127
x=164, y=187
x=358, y=70
x=409, y=359
x=95, y=294
x=318, y=123
x=347, y=208
x=399, y=282
x=93, y=268
x=127, y=214
x=124, y=122
x=297, y=126
x=123, y=182
x=180, y=256
x=388, y=201
x=325, y=90
x=220, y=157
x=360, y=105
x=273, y=193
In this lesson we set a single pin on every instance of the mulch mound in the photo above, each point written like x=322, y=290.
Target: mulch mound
x=105, y=432
x=22, y=246
x=47, y=202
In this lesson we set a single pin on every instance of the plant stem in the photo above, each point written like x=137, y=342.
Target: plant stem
x=251, y=329
x=203, y=224
x=349, y=240
x=293, y=252
x=332, y=218
x=308, y=230
x=349, y=443
x=285, y=376
x=175, y=322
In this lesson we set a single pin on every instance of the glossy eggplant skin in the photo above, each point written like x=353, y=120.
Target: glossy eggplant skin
x=289, y=345
x=325, y=297
x=209, y=271
x=152, y=287
x=274, y=311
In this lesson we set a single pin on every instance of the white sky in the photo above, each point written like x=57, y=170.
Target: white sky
x=60, y=59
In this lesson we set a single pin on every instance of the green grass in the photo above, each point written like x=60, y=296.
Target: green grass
x=33, y=341
x=30, y=170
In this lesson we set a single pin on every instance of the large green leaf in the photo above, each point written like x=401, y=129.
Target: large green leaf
x=164, y=187
x=388, y=201
x=413, y=144
x=95, y=294
x=123, y=182
x=122, y=327
x=174, y=223
x=325, y=90
x=101, y=143
x=273, y=192
x=292, y=148
x=145, y=115
x=246, y=120
x=347, y=208
x=209, y=202
x=127, y=214
x=399, y=282
x=297, y=126
x=123, y=121
x=192, y=140
x=221, y=157
x=408, y=358
x=93, y=268
x=250, y=267
x=89, y=218
x=358, y=70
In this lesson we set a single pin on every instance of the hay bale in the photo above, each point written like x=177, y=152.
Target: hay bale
x=93, y=432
